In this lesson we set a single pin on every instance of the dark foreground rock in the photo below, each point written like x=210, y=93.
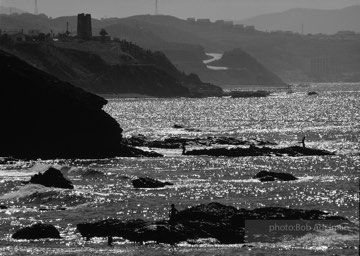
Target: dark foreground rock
x=51, y=178
x=223, y=223
x=264, y=176
x=37, y=231
x=149, y=183
x=264, y=151
x=44, y=117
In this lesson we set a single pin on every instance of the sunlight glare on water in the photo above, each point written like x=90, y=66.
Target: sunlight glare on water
x=329, y=121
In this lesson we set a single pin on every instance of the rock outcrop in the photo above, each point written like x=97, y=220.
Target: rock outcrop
x=222, y=223
x=264, y=176
x=177, y=142
x=51, y=178
x=43, y=117
x=312, y=93
x=149, y=183
x=294, y=151
x=116, y=67
x=37, y=231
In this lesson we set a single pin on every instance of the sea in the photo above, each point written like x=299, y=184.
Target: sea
x=103, y=188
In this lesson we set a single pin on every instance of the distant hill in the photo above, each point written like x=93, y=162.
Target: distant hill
x=314, y=21
x=175, y=37
x=10, y=10
x=288, y=55
x=112, y=68
x=249, y=70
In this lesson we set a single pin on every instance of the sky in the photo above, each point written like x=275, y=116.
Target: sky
x=213, y=9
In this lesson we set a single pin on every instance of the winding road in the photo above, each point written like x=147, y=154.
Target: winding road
x=215, y=57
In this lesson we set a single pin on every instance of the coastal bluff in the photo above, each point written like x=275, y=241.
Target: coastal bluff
x=44, y=117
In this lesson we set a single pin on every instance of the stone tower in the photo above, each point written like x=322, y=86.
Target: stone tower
x=84, y=28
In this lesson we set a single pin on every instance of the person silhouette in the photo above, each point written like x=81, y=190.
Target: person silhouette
x=110, y=240
x=303, y=142
x=172, y=215
x=183, y=146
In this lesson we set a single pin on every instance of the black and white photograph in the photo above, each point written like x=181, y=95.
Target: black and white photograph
x=179, y=127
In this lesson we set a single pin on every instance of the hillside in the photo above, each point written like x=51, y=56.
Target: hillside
x=250, y=70
x=287, y=55
x=112, y=68
x=314, y=21
x=167, y=34
x=10, y=10
x=44, y=117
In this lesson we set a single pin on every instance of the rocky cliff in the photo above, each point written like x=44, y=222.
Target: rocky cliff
x=243, y=67
x=44, y=117
x=111, y=68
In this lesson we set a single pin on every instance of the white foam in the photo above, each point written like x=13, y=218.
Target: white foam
x=25, y=191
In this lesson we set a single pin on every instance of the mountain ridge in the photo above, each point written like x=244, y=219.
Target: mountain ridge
x=314, y=20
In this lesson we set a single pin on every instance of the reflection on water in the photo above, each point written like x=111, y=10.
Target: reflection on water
x=329, y=121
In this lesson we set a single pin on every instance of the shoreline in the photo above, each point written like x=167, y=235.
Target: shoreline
x=125, y=95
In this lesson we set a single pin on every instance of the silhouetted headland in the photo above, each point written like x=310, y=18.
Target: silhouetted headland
x=44, y=117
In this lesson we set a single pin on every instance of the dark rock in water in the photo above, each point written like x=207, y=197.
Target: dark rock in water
x=51, y=178
x=110, y=227
x=37, y=231
x=192, y=130
x=162, y=144
x=248, y=94
x=124, y=177
x=229, y=141
x=141, y=141
x=44, y=117
x=265, y=143
x=177, y=142
x=272, y=176
x=294, y=151
x=3, y=207
x=312, y=93
x=267, y=178
x=214, y=221
x=177, y=126
x=149, y=183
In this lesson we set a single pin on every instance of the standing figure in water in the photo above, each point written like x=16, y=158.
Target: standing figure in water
x=172, y=216
x=303, y=142
x=183, y=146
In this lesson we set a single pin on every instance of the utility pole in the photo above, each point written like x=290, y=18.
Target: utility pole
x=302, y=29
x=156, y=7
x=36, y=11
x=67, y=29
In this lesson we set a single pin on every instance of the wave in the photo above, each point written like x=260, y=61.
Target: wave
x=25, y=191
x=322, y=240
x=86, y=172
x=39, y=194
